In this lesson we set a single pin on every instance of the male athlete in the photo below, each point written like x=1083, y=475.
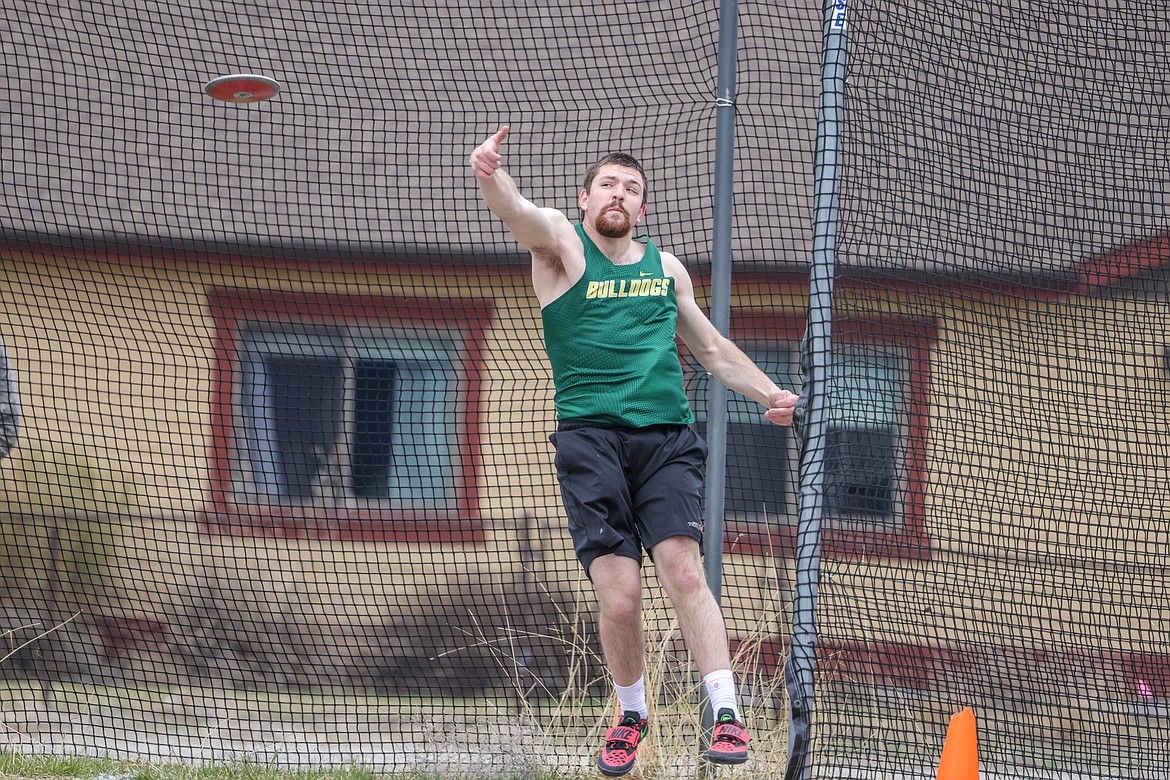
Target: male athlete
x=629, y=464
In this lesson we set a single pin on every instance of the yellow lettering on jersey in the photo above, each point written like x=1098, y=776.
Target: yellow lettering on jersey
x=629, y=288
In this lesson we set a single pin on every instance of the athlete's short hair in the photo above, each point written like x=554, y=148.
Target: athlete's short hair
x=624, y=160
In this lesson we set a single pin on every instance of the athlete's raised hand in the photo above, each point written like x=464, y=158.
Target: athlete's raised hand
x=486, y=158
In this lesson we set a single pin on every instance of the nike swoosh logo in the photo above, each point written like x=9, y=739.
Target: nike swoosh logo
x=645, y=273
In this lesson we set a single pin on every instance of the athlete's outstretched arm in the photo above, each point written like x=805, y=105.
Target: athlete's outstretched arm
x=721, y=356
x=537, y=229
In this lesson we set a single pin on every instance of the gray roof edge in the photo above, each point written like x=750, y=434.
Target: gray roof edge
x=173, y=248
x=195, y=249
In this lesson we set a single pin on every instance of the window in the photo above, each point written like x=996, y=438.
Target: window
x=875, y=439
x=347, y=416
x=864, y=451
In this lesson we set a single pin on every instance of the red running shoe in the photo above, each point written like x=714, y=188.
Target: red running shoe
x=621, y=745
x=729, y=740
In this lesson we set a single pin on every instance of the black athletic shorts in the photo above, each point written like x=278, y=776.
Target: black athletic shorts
x=627, y=489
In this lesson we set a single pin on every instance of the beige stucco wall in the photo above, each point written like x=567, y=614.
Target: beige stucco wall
x=1047, y=444
x=1049, y=452
x=114, y=362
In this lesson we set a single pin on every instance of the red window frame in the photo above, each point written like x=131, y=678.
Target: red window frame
x=230, y=307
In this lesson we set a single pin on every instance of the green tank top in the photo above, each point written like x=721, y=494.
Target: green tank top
x=610, y=339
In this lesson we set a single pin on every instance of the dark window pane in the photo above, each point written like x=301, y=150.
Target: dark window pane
x=757, y=469
x=306, y=397
x=860, y=472
x=373, y=448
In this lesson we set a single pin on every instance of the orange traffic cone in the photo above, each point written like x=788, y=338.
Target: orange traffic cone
x=960, y=756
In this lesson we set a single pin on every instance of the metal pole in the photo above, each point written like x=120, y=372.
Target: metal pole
x=815, y=364
x=720, y=307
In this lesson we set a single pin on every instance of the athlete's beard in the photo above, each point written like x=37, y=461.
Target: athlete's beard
x=614, y=222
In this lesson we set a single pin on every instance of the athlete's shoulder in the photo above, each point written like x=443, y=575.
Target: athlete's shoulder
x=672, y=264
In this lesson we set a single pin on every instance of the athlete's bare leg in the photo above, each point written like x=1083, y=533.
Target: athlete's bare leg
x=618, y=582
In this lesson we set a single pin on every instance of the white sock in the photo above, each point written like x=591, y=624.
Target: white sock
x=721, y=692
x=633, y=697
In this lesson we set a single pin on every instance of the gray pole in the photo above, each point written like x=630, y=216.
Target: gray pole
x=815, y=364
x=720, y=305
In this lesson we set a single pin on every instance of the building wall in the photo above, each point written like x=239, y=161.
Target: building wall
x=115, y=358
x=1048, y=460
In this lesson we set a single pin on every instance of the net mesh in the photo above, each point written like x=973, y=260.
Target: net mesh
x=1000, y=334
x=283, y=491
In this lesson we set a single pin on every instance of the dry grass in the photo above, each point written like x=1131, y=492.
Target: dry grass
x=556, y=733
x=571, y=724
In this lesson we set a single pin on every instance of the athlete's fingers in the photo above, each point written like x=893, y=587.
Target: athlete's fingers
x=484, y=165
x=782, y=399
x=781, y=406
x=482, y=159
x=780, y=416
x=486, y=159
